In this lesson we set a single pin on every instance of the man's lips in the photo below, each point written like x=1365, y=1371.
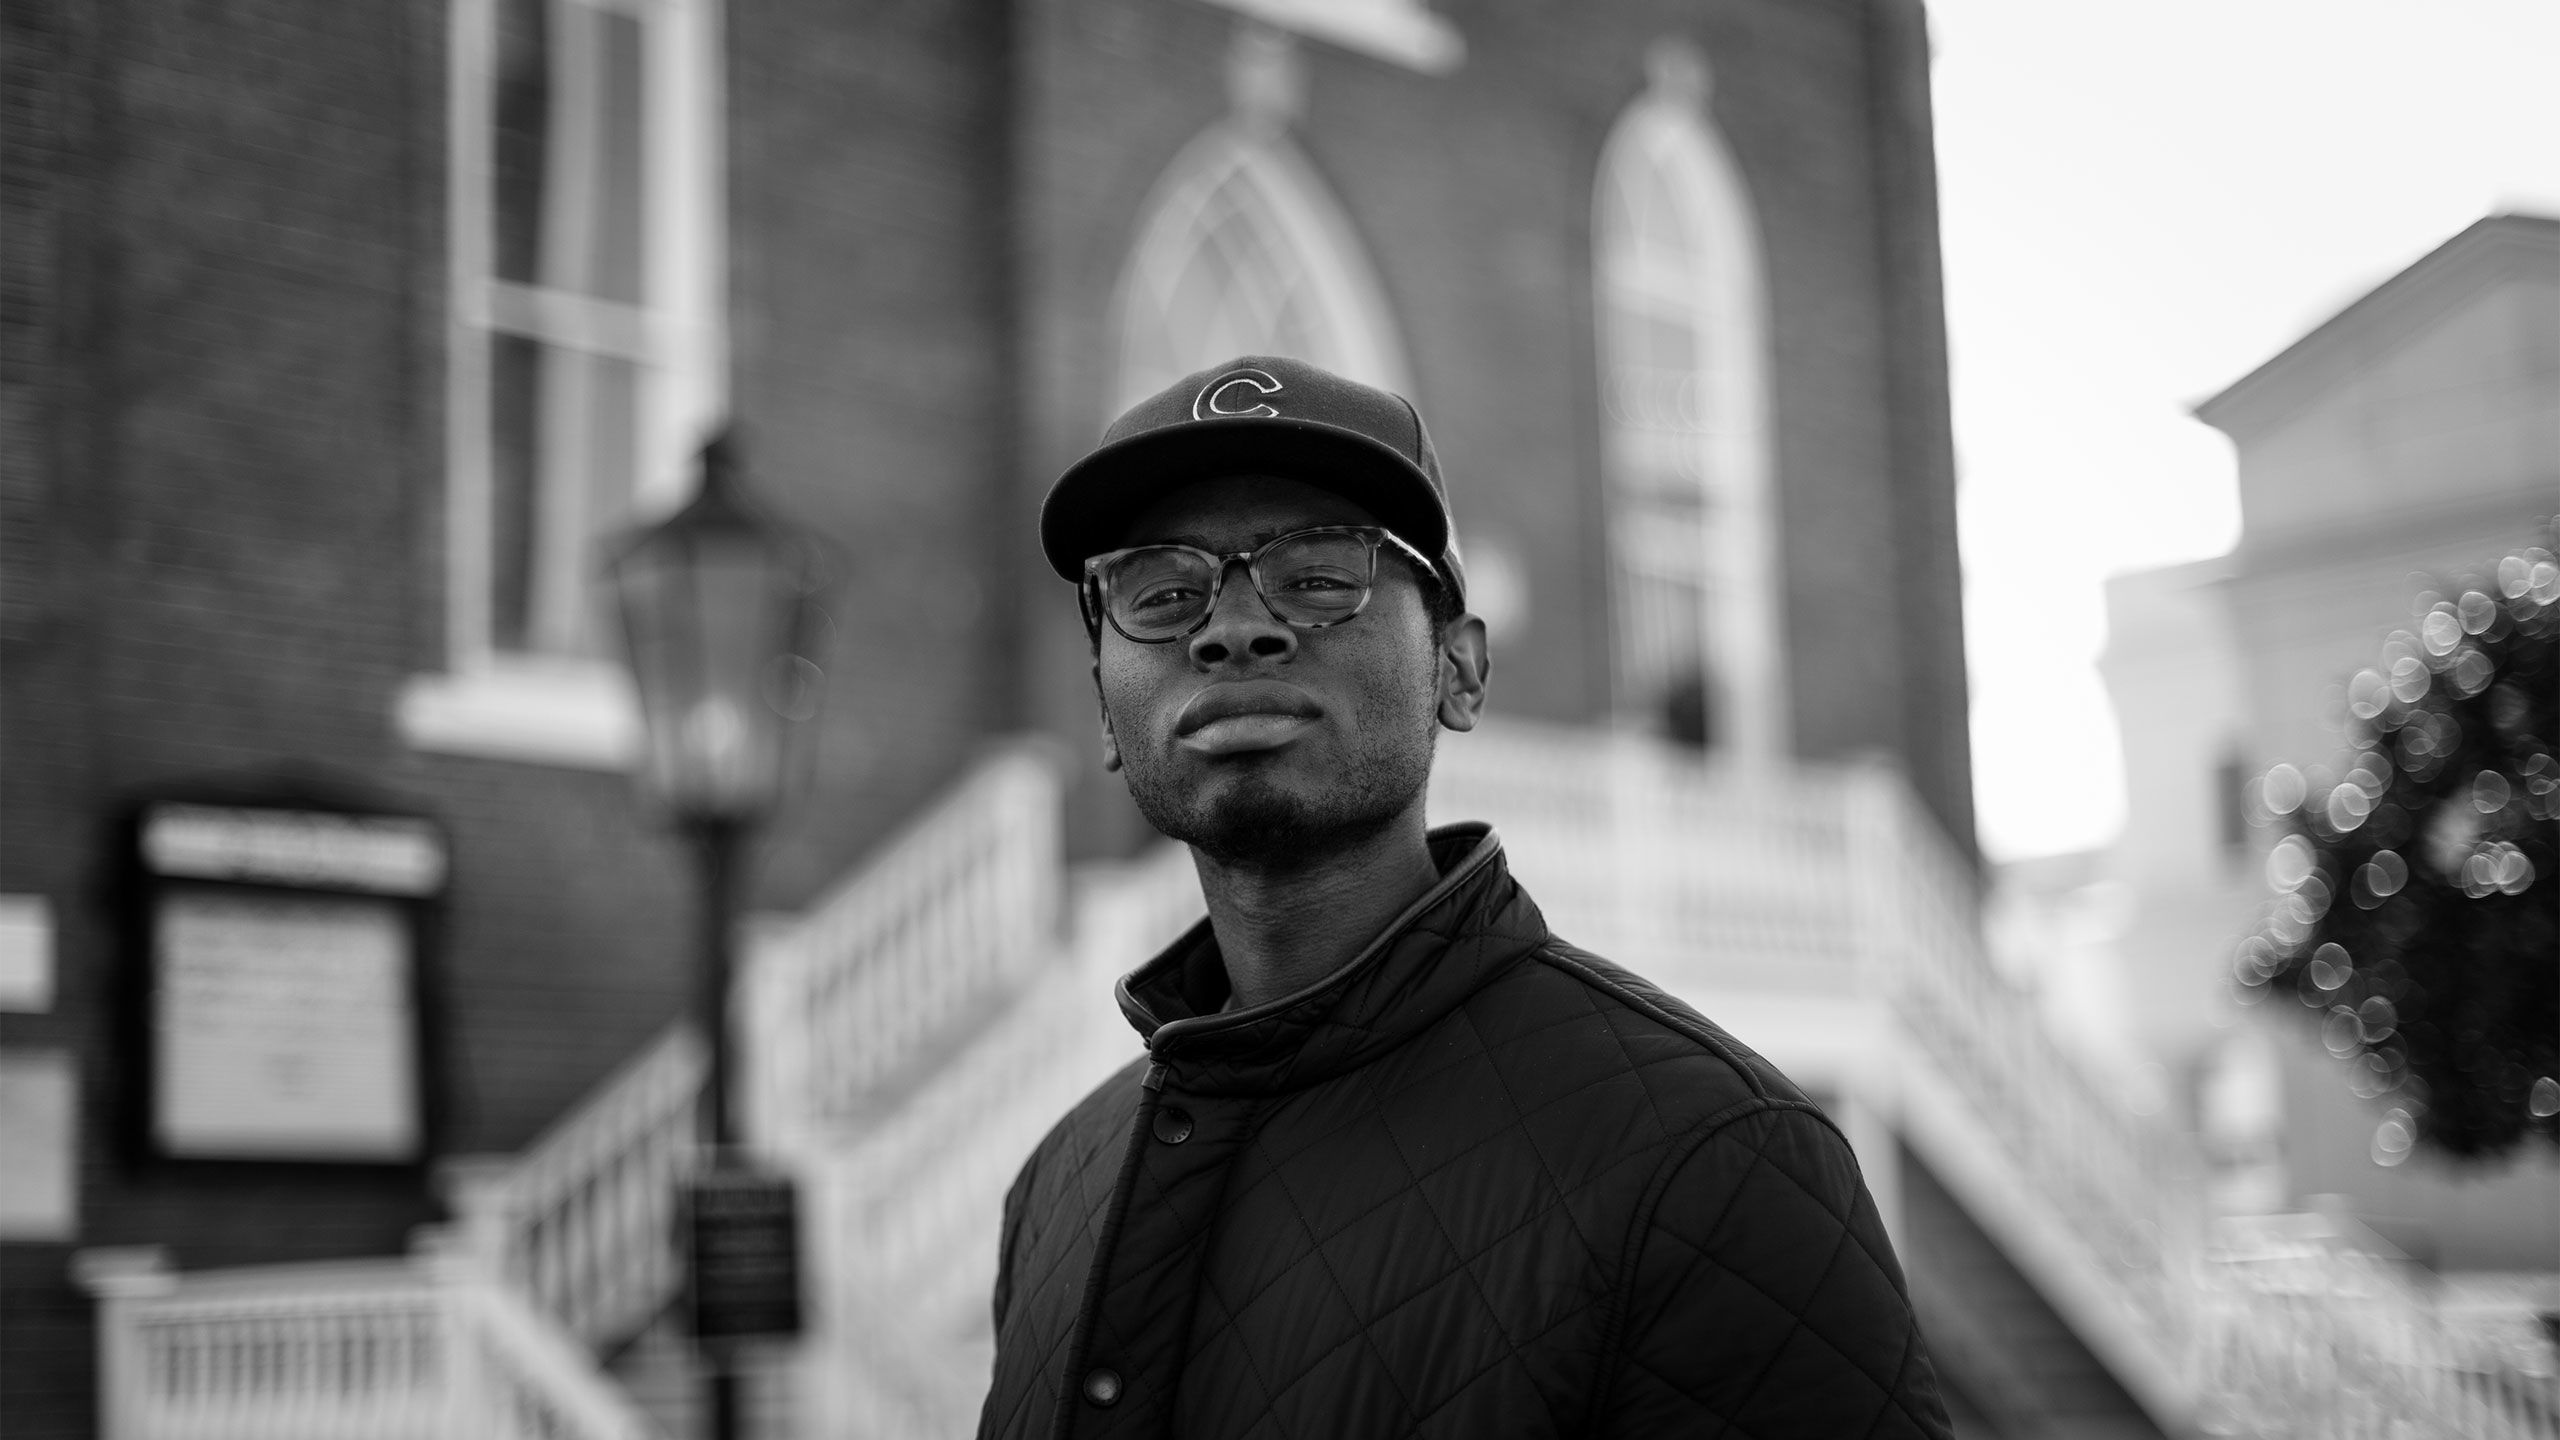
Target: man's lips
x=1245, y=697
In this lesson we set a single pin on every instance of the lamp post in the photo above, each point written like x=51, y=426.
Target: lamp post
x=716, y=607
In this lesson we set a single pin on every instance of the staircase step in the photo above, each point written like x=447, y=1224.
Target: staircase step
x=2004, y=1346
x=657, y=1371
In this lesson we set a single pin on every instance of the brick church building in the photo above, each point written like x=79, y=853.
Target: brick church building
x=337, y=339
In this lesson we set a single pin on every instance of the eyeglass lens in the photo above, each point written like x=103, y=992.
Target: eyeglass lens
x=1160, y=591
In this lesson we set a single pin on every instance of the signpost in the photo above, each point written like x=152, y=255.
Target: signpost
x=743, y=1235
x=718, y=604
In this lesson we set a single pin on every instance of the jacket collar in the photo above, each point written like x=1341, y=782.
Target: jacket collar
x=1445, y=946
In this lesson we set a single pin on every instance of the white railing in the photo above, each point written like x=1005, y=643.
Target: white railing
x=911, y=1036
x=583, y=1219
x=911, y=1212
x=1830, y=881
x=845, y=999
x=2117, y=1201
x=1701, y=876
x=954, y=908
x=1126, y=912
x=910, y=1208
x=2314, y=1330
x=428, y=1348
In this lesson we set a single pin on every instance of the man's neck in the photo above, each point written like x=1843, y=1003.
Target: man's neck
x=1281, y=928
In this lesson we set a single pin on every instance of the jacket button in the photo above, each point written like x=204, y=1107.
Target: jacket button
x=1102, y=1387
x=1173, y=1125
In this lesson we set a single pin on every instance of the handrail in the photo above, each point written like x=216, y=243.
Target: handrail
x=1126, y=912
x=532, y=1381
x=848, y=995
x=584, y=1217
x=911, y=1035
x=1834, y=878
x=910, y=1208
x=2310, y=1332
x=423, y=1348
x=953, y=907
x=1830, y=879
x=2122, y=1194
x=1690, y=873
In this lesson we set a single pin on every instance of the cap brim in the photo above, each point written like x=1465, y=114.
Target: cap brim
x=1091, y=506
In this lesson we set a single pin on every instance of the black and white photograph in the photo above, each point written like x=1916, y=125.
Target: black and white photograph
x=1279, y=720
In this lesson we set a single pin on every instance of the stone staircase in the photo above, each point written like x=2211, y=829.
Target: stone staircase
x=909, y=1036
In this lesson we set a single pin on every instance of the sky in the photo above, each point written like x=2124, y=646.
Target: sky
x=2140, y=204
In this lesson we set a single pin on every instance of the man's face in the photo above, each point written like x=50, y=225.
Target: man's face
x=1257, y=742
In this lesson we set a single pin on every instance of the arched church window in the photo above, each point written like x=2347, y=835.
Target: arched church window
x=1683, y=345
x=1241, y=250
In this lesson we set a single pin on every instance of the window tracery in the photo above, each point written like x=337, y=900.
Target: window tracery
x=1682, y=345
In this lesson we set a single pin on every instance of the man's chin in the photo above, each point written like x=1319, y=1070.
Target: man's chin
x=1242, y=813
x=1278, y=806
x=1241, y=817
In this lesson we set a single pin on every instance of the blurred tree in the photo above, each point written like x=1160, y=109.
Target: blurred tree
x=2416, y=904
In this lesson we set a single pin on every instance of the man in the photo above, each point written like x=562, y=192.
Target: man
x=1399, y=1161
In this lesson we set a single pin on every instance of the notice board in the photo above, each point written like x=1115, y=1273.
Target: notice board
x=283, y=997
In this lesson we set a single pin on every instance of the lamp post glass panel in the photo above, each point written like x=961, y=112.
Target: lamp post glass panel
x=717, y=606
x=716, y=603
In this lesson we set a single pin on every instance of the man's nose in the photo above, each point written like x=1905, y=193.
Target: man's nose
x=1241, y=628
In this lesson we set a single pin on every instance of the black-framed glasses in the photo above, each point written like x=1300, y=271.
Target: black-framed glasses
x=1308, y=579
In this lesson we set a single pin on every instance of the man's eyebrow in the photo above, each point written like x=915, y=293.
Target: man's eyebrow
x=1201, y=542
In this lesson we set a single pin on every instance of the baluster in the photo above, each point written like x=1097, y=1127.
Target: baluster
x=587, y=1253
x=167, y=1368
x=320, y=1387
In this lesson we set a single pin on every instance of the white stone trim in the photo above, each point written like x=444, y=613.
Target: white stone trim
x=582, y=714
x=26, y=953
x=1400, y=32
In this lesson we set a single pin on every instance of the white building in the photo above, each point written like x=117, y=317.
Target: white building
x=2412, y=439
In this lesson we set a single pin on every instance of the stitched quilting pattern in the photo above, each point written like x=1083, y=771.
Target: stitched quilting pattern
x=1487, y=1186
x=1054, y=1217
x=1766, y=1241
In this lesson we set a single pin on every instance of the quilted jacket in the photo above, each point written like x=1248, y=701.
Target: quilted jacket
x=1475, y=1183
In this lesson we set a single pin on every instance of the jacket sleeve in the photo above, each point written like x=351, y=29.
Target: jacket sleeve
x=1766, y=1301
x=1001, y=1298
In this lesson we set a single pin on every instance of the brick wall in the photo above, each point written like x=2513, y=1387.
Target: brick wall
x=1473, y=192
x=221, y=315
x=222, y=364
x=50, y=548
x=871, y=315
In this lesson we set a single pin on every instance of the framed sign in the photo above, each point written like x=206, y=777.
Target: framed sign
x=743, y=1246
x=282, y=1010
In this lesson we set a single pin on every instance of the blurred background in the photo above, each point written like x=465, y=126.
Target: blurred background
x=2000, y=525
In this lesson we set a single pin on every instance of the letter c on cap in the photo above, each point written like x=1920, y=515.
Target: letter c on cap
x=1212, y=401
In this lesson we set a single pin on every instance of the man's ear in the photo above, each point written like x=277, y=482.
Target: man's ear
x=1110, y=742
x=1465, y=666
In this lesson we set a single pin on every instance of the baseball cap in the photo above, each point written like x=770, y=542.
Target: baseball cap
x=1256, y=415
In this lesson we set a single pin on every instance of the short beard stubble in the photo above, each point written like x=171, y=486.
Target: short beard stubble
x=1244, y=816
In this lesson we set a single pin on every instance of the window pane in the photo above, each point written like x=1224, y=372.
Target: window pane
x=616, y=266
x=570, y=163
x=613, y=452
x=515, y=400
x=1654, y=349
x=522, y=135
x=565, y=454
